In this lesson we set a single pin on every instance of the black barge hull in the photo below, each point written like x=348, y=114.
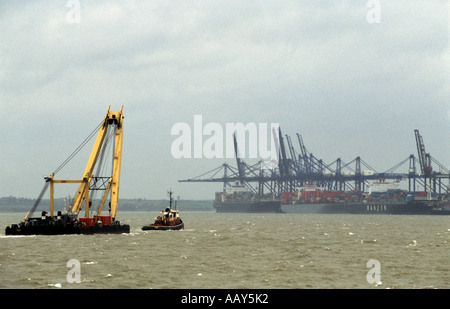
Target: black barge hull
x=16, y=230
x=49, y=226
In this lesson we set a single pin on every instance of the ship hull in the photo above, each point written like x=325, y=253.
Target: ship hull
x=248, y=207
x=40, y=230
x=315, y=208
x=411, y=208
x=49, y=226
x=108, y=229
x=153, y=227
x=65, y=231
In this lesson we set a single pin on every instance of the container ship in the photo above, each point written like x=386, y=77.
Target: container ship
x=400, y=202
x=316, y=200
x=383, y=197
x=238, y=198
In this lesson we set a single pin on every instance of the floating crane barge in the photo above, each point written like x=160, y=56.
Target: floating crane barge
x=69, y=222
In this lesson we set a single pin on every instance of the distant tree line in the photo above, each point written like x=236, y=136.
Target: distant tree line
x=18, y=204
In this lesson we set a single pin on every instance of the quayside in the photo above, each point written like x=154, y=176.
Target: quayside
x=69, y=221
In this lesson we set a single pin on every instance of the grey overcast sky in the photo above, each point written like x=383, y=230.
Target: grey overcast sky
x=319, y=68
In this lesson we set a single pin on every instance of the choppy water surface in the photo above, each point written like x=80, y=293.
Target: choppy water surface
x=237, y=251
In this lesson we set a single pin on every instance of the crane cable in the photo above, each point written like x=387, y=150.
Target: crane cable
x=38, y=200
x=73, y=154
x=77, y=150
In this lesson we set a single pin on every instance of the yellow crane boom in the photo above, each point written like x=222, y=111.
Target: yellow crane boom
x=82, y=195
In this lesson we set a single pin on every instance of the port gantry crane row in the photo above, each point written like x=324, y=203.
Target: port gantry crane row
x=297, y=170
x=89, y=181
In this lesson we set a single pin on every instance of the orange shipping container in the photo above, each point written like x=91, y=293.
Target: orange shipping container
x=87, y=222
x=106, y=220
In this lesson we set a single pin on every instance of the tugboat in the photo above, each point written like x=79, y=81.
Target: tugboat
x=168, y=220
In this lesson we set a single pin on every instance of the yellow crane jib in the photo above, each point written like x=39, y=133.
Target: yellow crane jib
x=81, y=198
x=82, y=195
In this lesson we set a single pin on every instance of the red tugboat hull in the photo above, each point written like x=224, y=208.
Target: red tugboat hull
x=155, y=227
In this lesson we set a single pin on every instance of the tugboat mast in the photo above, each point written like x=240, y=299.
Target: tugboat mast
x=170, y=198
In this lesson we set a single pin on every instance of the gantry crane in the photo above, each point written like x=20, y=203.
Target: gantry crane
x=424, y=158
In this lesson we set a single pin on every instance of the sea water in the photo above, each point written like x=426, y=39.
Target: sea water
x=240, y=251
